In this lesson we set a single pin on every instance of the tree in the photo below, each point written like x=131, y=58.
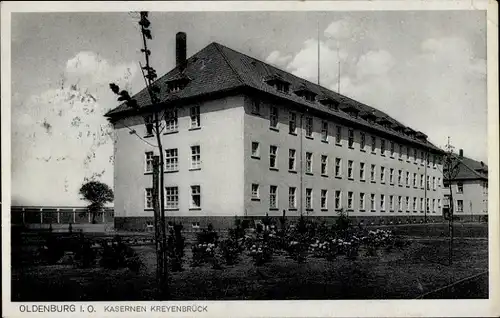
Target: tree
x=98, y=194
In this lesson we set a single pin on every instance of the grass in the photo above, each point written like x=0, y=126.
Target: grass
x=401, y=274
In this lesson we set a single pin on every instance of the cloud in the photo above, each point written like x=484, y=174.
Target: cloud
x=275, y=58
x=61, y=137
x=439, y=88
x=91, y=69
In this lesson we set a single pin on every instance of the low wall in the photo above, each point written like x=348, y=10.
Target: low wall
x=58, y=215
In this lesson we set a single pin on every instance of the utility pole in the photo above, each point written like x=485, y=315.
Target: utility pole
x=451, y=168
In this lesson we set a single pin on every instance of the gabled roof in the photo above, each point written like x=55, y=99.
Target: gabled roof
x=217, y=69
x=472, y=169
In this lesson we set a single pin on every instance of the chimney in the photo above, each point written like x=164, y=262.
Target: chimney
x=180, y=50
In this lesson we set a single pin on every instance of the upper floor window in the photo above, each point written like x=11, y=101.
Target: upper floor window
x=324, y=199
x=291, y=159
x=309, y=198
x=148, y=162
x=338, y=135
x=362, y=143
x=255, y=150
x=382, y=147
x=172, y=198
x=309, y=126
x=283, y=87
x=374, y=143
x=273, y=154
x=255, y=191
x=292, y=123
x=382, y=174
x=460, y=187
x=401, y=150
x=149, y=121
x=171, y=121
x=362, y=171
x=309, y=158
x=338, y=167
x=392, y=149
x=408, y=153
x=273, y=116
x=391, y=176
x=460, y=205
x=171, y=159
x=195, y=157
x=351, y=138
x=195, y=197
x=350, y=169
x=324, y=165
x=324, y=130
x=256, y=106
x=372, y=173
x=273, y=197
x=195, y=117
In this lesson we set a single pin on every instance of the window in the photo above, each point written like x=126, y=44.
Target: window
x=428, y=205
x=171, y=160
x=391, y=202
x=414, y=204
x=273, y=153
x=433, y=183
x=309, y=126
x=148, y=120
x=338, y=201
x=382, y=174
x=350, y=200
x=362, y=143
x=434, y=161
x=372, y=173
x=309, y=158
x=400, y=174
x=255, y=191
x=433, y=205
x=172, y=198
x=408, y=153
x=195, y=117
x=407, y=178
x=362, y=201
x=292, y=123
x=439, y=204
x=292, y=202
x=372, y=202
x=351, y=138
x=255, y=150
x=391, y=176
x=324, y=199
x=195, y=197
x=415, y=159
x=428, y=182
x=362, y=171
x=422, y=208
x=273, y=117
x=338, y=167
x=401, y=150
x=414, y=180
x=400, y=203
x=273, y=197
x=439, y=182
x=407, y=201
x=282, y=87
x=148, y=162
x=392, y=149
x=338, y=135
x=256, y=106
x=374, y=143
x=309, y=198
x=422, y=181
x=148, y=204
x=350, y=169
x=382, y=202
x=291, y=159
x=195, y=157
x=382, y=147
x=324, y=130
x=460, y=187
x=422, y=158
x=324, y=165
x=171, y=121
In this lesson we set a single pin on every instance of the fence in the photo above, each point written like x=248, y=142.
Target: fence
x=32, y=215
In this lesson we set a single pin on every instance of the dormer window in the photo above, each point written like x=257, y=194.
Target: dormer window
x=351, y=110
x=421, y=136
x=278, y=83
x=329, y=102
x=369, y=117
x=305, y=93
x=148, y=121
x=177, y=83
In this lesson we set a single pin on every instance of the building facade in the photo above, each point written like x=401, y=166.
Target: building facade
x=469, y=191
x=242, y=138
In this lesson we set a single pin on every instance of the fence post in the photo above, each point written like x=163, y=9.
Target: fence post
x=24, y=216
x=74, y=215
x=41, y=216
x=58, y=217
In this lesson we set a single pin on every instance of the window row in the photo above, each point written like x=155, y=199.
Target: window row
x=338, y=173
x=460, y=186
x=171, y=159
x=170, y=121
x=386, y=147
x=400, y=203
x=172, y=198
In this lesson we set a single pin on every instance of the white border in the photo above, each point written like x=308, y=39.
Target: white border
x=365, y=308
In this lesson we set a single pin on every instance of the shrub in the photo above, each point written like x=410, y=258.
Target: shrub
x=207, y=236
x=176, y=243
x=116, y=254
x=202, y=253
x=261, y=253
x=85, y=256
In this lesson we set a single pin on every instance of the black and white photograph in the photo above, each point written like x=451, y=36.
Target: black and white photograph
x=244, y=155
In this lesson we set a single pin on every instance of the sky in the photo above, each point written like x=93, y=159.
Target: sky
x=426, y=69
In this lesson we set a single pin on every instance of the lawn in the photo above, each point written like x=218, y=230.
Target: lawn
x=400, y=274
